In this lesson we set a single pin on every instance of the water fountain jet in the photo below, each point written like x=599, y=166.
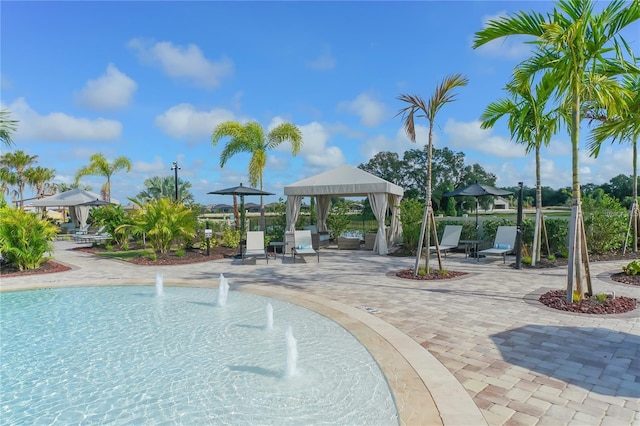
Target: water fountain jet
x=223, y=290
x=159, y=285
x=269, y=310
x=292, y=353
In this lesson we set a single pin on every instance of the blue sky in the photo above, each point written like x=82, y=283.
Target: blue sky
x=150, y=81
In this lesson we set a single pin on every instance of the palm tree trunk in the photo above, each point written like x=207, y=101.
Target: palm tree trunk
x=576, y=226
x=537, y=230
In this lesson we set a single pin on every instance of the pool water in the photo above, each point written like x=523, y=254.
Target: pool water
x=122, y=355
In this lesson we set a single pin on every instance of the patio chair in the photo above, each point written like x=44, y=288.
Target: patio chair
x=255, y=246
x=504, y=243
x=303, y=245
x=83, y=237
x=450, y=239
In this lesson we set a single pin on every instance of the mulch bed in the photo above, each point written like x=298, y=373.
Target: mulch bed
x=434, y=275
x=557, y=299
x=171, y=258
x=47, y=267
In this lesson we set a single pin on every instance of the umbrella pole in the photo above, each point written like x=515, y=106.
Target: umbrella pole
x=477, y=207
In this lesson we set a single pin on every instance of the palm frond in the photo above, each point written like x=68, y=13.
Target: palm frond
x=285, y=132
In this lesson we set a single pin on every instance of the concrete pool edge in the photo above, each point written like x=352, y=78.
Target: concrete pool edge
x=424, y=390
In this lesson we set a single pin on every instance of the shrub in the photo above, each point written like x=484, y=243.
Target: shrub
x=338, y=220
x=111, y=217
x=231, y=238
x=605, y=222
x=411, y=211
x=633, y=268
x=163, y=222
x=25, y=238
x=180, y=252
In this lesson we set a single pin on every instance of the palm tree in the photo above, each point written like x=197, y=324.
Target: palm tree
x=164, y=187
x=583, y=53
x=100, y=166
x=39, y=179
x=625, y=127
x=17, y=162
x=531, y=124
x=7, y=127
x=419, y=108
x=64, y=187
x=250, y=138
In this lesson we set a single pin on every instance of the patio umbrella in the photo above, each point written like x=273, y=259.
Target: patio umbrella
x=242, y=191
x=477, y=190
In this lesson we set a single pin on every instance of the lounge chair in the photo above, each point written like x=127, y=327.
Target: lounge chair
x=450, y=239
x=302, y=245
x=255, y=246
x=504, y=243
x=84, y=237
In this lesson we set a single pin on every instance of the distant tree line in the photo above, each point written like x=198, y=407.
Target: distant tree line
x=450, y=172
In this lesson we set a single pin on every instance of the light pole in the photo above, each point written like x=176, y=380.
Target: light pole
x=175, y=168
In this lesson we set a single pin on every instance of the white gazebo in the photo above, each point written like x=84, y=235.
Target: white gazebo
x=347, y=181
x=72, y=198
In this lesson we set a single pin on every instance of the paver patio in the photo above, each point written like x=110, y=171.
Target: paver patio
x=495, y=355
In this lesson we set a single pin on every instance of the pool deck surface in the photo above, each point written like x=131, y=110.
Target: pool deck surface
x=474, y=350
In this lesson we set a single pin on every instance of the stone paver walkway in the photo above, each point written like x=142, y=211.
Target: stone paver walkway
x=514, y=360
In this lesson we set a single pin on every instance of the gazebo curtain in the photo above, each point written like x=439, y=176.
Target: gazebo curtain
x=293, y=211
x=378, y=203
x=79, y=215
x=396, y=227
x=323, y=202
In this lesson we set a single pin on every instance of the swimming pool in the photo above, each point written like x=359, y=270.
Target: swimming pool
x=123, y=355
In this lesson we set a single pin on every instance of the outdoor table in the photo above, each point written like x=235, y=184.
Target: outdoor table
x=275, y=245
x=471, y=246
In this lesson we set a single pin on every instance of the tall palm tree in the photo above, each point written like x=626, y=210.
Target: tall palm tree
x=417, y=107
x=18, y=162
x=7, y=127
x=583, y=52
x=621, y=128
x=100, y=166
x=250, y=138
x=530, y=123
x=39, y=179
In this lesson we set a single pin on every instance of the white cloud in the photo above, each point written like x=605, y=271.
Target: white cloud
x=325, y=61
x=183, y=121
x=277, y=162
x=315, y=150
x=58, y=126
x=184, y=62
x=112, y=90
x=157, y=168
x=469, y=136
x=399, y=144
x=370, y=111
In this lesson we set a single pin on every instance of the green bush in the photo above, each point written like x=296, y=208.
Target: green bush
x=111, y=217
x=558, y=234
x=605, y=222
x=163, y=222
x=338, y=220
x=633, y=268
x=411, y=211
x=230, y=238
x=25, y=238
